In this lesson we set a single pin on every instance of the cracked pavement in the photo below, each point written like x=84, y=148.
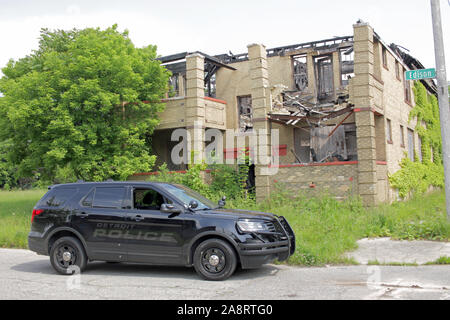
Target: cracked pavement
x=25, y=275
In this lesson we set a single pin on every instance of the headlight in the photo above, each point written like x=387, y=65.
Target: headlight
x=252, y=226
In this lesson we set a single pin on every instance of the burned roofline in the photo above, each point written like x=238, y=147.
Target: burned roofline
x=281, y=51
x=414, y=64
x=183, y=55
x=224, y=59
x=408, y=61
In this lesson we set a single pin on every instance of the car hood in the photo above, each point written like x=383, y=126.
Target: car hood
x=241, y=214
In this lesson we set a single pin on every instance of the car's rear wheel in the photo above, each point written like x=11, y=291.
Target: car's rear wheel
x=67, y=256
x=215, y=260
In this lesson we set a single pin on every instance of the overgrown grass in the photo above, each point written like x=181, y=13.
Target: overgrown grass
x=325, y=228
x=15, y=216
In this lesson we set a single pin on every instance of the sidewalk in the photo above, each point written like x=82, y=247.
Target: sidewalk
x=385, y=251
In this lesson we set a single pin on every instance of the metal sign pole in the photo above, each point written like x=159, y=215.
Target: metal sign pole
x=442, y=94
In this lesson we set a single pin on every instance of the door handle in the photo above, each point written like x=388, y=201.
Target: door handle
x=82, y=215
x=138, y=218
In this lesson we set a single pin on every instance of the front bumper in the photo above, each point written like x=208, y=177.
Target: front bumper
x=254, y=255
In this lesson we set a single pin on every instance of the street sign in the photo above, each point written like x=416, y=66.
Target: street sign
x=420, y=74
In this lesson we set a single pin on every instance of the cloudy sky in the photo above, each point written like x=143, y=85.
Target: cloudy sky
x=216, y=27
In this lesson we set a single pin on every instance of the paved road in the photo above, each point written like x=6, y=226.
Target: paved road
x=25, y=275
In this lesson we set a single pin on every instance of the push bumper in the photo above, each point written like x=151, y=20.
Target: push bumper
x=254, y=255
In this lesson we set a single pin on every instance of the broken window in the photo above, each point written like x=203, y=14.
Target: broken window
x=174, y=86
x=326, y=144
x=210, y=87
x=324, y=76
x=300, y=72
x=245, y=113
x=347, y=65
x=350, y=140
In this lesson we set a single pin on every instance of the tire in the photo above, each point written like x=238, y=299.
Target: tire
x=215, y=260
x=78, y=258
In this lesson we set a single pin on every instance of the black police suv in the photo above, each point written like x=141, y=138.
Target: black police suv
x=153, y=223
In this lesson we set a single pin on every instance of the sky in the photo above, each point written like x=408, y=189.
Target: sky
x=216, y=27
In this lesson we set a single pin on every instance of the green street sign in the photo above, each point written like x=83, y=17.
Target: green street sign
x=420, y=74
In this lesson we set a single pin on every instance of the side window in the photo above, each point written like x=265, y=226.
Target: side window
x=108, y=197
x=89, y=199
x=57, y=197
x=148, y=199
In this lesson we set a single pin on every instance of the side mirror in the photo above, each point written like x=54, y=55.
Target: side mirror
x=193, y=204
x=169, y=208
x=222, y=202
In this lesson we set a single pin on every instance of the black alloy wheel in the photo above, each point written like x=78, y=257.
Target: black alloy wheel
x=215, y=260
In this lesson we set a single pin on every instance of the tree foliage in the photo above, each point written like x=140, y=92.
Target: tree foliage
x=85, y=104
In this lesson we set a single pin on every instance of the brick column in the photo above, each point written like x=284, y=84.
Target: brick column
x=259, y=77
x=311, y=75
x=195, y=105
x=365, y=118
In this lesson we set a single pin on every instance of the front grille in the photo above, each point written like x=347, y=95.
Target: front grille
x=270, y=226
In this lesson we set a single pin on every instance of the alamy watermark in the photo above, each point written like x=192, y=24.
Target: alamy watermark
x=258, y=147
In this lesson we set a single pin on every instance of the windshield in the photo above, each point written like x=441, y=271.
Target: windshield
x=186, y=195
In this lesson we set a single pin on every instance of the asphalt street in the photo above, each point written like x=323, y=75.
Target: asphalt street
x=25, y=275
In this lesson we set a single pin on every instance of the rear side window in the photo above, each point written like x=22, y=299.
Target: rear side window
x=105, y=197
x=57, y=197
x=89, y=199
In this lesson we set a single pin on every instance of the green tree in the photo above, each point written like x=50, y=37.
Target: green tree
x=85, y=102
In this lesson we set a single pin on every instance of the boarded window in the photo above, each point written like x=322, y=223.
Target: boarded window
x=397, y=70
x=384, y=55
x=389, y=130
x=411, y=144
x=419, y=141
x=302, y=143
x=324, y=75
x=402, y=136
x=407, y=88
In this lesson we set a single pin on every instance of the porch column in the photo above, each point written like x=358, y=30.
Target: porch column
x=363, y=91
x=195, y=105
x=259, y=77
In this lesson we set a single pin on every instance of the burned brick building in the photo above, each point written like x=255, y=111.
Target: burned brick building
x=341, y=106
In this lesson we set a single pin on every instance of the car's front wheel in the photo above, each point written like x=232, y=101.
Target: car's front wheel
x=67, y=256
x=215, y=260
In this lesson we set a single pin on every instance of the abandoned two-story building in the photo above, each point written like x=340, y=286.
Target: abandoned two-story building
x=341, y=107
